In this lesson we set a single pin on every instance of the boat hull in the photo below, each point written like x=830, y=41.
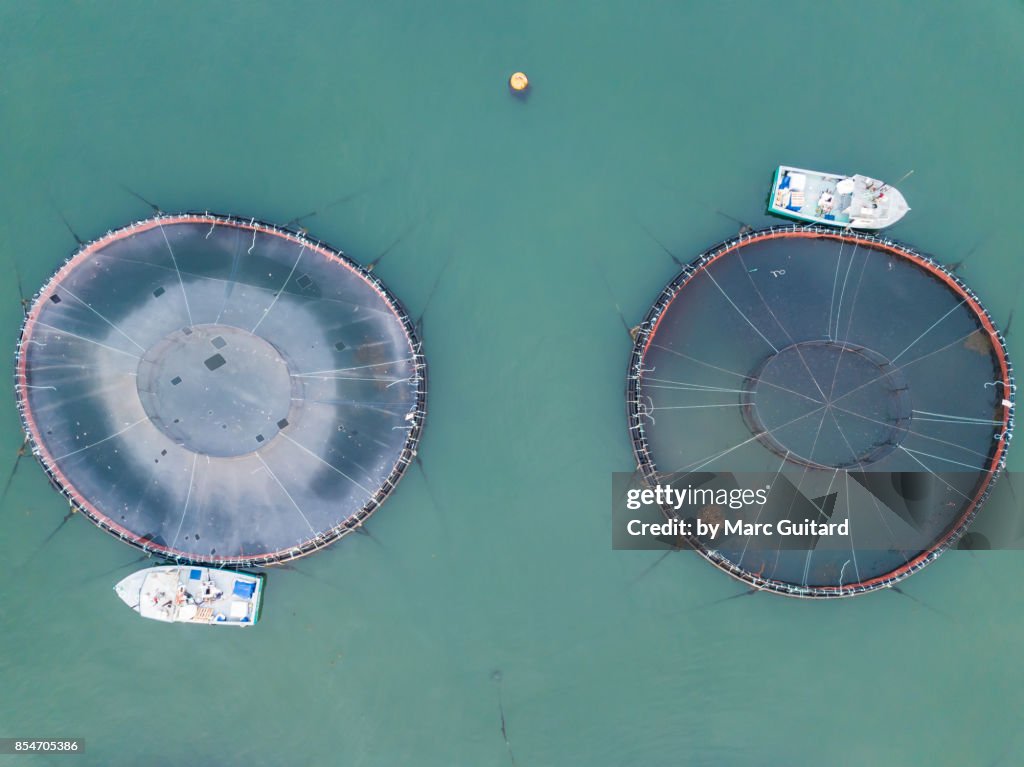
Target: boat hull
x=196, y=595
x=831, y=199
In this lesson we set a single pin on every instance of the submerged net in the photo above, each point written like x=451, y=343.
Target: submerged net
x=837, y=364
x=219, y=390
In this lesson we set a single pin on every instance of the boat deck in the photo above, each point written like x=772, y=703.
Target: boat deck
x=193, y=595
x=856, y=201
x=213, y=595
x=813, y=197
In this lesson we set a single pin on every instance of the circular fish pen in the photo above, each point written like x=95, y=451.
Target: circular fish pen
x=856, y=377
x=220, y=390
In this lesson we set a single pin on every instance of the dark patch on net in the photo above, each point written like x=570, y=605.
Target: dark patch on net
x=215, y=362
x=158, y=292
x=219, y=343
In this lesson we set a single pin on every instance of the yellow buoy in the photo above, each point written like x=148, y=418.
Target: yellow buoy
x=518, y=82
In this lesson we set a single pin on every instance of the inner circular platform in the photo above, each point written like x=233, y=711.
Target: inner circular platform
x=835, y=369
x=216, y=389
x=863, y=400
x=220, y=390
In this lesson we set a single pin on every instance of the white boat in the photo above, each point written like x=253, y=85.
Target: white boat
x=858, y=202
x=192, y=594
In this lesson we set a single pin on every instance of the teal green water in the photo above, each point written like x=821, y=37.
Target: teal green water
x=642, y=118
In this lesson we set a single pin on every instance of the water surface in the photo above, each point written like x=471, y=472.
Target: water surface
x=538, y=221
